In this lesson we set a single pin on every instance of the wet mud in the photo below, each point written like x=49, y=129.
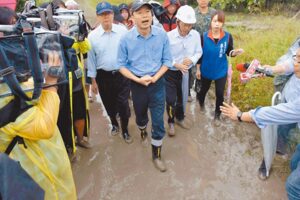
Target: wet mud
x=206, y=162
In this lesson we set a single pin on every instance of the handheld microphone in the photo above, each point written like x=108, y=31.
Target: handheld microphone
x=242, y=67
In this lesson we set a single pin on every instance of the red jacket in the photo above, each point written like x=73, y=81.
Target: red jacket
x=167, y=22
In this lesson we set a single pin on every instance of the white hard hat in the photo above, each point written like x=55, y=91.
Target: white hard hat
x=71, y=3
x=186, y=14
x=154, y=2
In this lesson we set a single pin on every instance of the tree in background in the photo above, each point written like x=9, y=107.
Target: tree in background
x=20, y=5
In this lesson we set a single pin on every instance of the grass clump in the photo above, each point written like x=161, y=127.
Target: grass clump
x=265, y=38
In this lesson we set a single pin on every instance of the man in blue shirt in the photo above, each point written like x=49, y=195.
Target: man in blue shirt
x=114, y=88
x=281, y=114
x=144, y=56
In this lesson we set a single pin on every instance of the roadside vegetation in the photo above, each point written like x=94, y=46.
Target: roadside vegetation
x=265, y=38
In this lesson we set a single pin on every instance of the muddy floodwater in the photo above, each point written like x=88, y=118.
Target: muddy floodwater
x=205, y=162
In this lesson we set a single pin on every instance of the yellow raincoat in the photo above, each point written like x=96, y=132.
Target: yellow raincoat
x=45, y=158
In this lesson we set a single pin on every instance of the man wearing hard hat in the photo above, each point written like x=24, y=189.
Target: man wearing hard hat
x=186, y=50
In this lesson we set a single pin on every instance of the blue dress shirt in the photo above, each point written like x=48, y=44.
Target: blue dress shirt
x=144, y=55
x=284, y=113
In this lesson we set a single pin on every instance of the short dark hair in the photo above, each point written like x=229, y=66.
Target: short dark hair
x=58, y=4
x=6, y=15
x=221, y=16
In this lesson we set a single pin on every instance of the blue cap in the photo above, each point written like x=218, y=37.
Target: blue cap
x=137, y=4
x=103, y=7
x=123, y=6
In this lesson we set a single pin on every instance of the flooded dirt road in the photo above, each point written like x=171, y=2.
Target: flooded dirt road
x=206, y=162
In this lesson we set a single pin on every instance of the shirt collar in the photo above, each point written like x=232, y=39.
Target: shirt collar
x=113, y=29
x=154, y=31
x=222, y=34
x=177, y=35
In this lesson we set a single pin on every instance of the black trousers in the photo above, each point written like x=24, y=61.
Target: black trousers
x=220, y=87
x=174, y=95
x=114, y=90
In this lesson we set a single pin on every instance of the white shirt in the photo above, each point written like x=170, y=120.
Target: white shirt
x=188, y=46
x=103, y=54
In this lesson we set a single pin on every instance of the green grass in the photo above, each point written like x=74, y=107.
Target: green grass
x=270, y=38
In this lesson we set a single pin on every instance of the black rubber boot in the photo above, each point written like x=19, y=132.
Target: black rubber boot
x=144, y=134
x=156, y=157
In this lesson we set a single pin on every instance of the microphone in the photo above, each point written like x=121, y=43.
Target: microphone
x=242, y=67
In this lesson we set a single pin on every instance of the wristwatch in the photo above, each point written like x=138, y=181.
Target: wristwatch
x=54, y=71
x=239, y=116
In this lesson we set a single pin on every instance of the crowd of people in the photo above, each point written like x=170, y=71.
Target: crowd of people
x=145, y=51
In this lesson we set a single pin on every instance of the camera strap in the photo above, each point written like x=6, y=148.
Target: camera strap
x=10, y=78
x=9, y=113
x=13, y=143
x=34, y=63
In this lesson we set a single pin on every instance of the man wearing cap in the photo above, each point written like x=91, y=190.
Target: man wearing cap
x=144, y=56
x=103, y=69
x=186, y=50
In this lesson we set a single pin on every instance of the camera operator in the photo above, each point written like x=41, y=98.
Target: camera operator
x=40, y=150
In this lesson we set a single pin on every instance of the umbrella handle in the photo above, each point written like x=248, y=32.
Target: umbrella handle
x=276, y=96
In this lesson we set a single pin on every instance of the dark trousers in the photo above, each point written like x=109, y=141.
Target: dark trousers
x=152, y=97
x=220, y=87
x=114, y=90
x=174, y=95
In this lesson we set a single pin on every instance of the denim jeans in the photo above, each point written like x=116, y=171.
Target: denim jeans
x=293, y=182
x=150, y=97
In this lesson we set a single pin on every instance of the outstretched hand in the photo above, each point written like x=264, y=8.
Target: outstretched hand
x=230, y=110
x=238, y=52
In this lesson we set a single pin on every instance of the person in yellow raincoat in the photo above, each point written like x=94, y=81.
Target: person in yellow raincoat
x=44, y=158
x=81, y=120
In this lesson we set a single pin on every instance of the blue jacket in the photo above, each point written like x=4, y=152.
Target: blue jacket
x=214, y=63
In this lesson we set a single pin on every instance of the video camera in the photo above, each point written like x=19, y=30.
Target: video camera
x=51, y=18
x=24, y=59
